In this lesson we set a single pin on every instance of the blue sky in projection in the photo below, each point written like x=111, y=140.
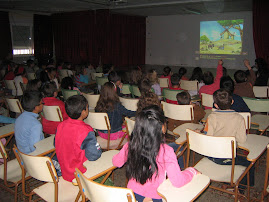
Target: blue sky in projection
x=212, y=30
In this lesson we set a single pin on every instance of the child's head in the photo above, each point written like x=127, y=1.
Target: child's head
x=135, y=76
x=145, y=142
x=108, y=98
x=166, y=71
x=227, y=83
x=20, y=71
x=50, y=89
x=152, y=76
x=183, y=98
x=144, y=86
x=197, y=74
x=33, y=85
x=175, y=79
x=76, y=107
x=32, y=101
x=222, y=99
x=240, y=76
x=114, y=77
x=208, y=78
x=30, y=63
x=80, y=69
x=182, y=71
x=67, y=83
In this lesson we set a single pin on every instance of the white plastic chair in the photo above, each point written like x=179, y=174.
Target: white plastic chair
x=14, y=105
x=10, y=85
x=31, y=76
x=189, y=85
x=129, y=125
x=261, y=91
x=94, y=75
x=207, y=101
x=164, y=82
x=129, y=103
x=92, y=100
x=52, y=113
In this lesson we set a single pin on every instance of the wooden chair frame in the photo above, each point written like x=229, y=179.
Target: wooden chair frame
x=58, y=112
x=266, y=185
x=18, y=104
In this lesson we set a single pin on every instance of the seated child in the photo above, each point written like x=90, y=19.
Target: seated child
x=182, y=72
x=212, y=85
x=147, y=97
x=175, y=85
x=167, y=74
x=226, y=122
x=75, y=141
x=153, y=78
x=28, y=129
x=197, y=75
x=244, y=86
x=184, y=98
x=148, y=160
x=82, y=80
x=114, y=78
x=67, y=83
x=50, y=93
x=109, y=103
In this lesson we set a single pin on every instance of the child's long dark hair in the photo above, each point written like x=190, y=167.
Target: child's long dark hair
x=145, y=143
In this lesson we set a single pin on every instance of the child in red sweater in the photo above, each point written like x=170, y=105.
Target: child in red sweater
x=175, y=85
x=50, y=94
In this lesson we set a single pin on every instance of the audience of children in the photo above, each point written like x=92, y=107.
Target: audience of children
x=184, y=98
x=153, y=78
x=148, y=160
x=109, y=103
x=28, y=129
x=75, y=141
x=50, y=93
x=244, y=85
x=147, y=97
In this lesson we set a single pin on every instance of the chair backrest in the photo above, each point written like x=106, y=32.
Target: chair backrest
x=98, y=192
x=23, y=86
x=39, y=167
x=14, y=105
x=125, y=89
x=31, y=76
x=94, y=75
x=247, y=118
x=99, y=121
x=63, y=73
x=189, y=85
x=10, y=84
x=164, y=82
x=257, y=105
x=207, y=100
x=135, y=91
x=130, y=125
x=171, y=94
x=217, y=147
x=101, y=80
x=68, y=93
x=92, y=99
x=261, y=91
x=129, y=103
x=178, y=112
x=52, y=113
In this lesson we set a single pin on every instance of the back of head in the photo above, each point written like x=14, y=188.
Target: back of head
x=182, y=71
x=49, y=89
x=223, y=99
x=30, y=100
x=30, y=62
x=183, y=98
x=197, y=74
x=144, y=86
x=144, y=145
x=261, y=63
x=108, y=98
x=74, y=106
x=166, y=71
x=113, y=77
x=135, y=76
x=175, y=78
x=33, y=85
x=80, y=69
x=227, y=83
x=240, y=76
x=208, y=78
x=67, y=83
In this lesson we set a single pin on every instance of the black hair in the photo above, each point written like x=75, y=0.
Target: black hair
x=227, y=83
x=113, y=77
x=240, y=76
x=208, y=78
x=197, y=74
x=183, y=98
x=74, y=106
x=175, y=78
x=145, y=143
x=182, y=71
x=30, y=100
x=166, y=71
x=33, y=85
x=224, y=71
x=49, y=88
x=144, y=85
x=29, y=62
x=223, y=99
x=67, y=82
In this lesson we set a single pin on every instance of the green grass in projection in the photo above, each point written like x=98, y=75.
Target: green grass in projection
x=221, y=37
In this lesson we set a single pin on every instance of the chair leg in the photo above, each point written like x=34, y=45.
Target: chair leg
x=16, y=192
x=248, y=186
x=236, y=193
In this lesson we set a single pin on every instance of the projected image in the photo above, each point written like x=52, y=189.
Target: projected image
x=221, y=37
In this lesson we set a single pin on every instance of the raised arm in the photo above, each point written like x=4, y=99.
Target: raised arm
x=252, y=77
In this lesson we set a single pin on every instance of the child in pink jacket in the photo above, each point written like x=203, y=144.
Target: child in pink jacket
x=148, y=159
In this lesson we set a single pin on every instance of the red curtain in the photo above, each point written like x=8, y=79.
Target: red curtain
x=43, y=37
x=5, y=36
x=88, y=35
x=261, y=28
